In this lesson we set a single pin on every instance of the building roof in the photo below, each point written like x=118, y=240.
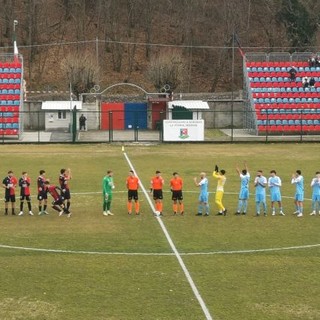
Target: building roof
x=61, y=105
x=189, y=104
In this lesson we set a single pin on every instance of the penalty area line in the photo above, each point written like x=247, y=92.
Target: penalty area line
x=172, y=245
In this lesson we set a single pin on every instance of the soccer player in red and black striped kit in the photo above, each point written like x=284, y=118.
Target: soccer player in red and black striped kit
x=24, y=184
x=9, y=183
x=57, y=203
x=42, y=193
x=64, y=178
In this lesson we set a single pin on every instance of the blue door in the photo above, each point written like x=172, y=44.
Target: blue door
x=135, y=115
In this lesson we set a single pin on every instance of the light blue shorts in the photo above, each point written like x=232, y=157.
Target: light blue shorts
x=298, y=197
x=203, y=197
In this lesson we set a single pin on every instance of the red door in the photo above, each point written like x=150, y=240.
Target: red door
x=115, y=112
x=158, y=113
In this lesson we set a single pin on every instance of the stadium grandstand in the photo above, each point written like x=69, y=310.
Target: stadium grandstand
x=277, y=103
x=11, y=76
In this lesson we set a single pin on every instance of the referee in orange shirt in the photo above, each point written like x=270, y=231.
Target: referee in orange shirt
x=156, y=186
x=132, y=183
x=176, y=184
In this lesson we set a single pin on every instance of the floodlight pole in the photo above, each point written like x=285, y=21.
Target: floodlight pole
x=232, y=86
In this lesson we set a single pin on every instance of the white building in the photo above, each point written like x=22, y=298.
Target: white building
x=58, y=115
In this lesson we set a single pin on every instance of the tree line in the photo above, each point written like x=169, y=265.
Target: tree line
x=144, y=41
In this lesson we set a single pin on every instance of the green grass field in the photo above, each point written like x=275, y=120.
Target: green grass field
x=122, y=267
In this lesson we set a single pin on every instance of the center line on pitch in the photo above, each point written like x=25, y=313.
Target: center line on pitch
x=173, y=247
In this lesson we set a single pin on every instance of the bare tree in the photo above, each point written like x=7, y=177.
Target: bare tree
x=81, y=71
x=168, y=68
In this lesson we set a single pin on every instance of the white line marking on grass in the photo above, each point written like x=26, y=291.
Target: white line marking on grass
x=167, y=191
x=308, y=246
x=251, y=250
x=174, y=249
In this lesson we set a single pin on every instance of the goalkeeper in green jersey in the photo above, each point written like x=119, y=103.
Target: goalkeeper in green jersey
x=107, y=186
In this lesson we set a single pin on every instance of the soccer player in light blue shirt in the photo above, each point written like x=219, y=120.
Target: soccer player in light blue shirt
x=274, y=184
x=297, y=179
x=315, y=185
x=260, y=183
x=203, y=196
x=244, y=190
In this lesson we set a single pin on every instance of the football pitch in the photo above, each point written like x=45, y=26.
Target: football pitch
x=176, y=267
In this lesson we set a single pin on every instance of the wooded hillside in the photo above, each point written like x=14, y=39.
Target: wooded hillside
x=124, y=37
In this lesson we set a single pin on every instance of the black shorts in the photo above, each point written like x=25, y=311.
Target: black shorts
x=42, y=196
x=157, y=195
x=10, y=198
x=132, y=194
x=66, y=195
x=57, y=202
x=177, y=195
x=25, y=197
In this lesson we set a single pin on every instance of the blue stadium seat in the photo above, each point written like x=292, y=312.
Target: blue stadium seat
x=15, y=125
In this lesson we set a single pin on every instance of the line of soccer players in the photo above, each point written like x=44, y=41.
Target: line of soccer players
x=60, y=194
x=261, y=183
x=274, y=184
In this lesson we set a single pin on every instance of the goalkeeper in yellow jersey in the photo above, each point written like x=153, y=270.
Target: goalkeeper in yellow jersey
x=220, y=175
